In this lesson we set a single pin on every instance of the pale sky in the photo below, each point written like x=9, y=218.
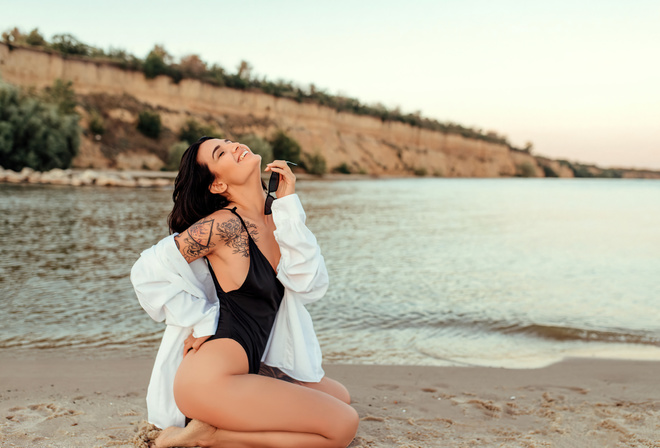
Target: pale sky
x=579, y=79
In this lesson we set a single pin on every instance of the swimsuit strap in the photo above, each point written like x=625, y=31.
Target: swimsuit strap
x=233, y=210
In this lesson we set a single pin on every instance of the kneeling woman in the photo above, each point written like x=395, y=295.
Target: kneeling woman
x=263, y=267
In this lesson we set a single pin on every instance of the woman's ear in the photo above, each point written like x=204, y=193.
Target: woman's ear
x=218, y=187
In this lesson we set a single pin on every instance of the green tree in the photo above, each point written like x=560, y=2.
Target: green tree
x=13, y=36
x=525, y=169
x=285, y=147
x=96, y=123
x=315, y=163
x=35, y=39
x=343, y=168
x=192, y=130
x=175, y=154
x=34, y=133
x=259, y=146
x=68, y=44
x=149, y=124
x=548, y=171
x=62, y=94
x=157, y=62
x=245, y=71
x=192, y=66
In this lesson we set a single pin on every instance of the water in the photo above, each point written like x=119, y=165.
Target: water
x=500, y=272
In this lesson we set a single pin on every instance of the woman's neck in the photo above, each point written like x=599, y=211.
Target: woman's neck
x=249, y=198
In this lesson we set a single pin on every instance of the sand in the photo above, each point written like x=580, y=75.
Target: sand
x=64, y=402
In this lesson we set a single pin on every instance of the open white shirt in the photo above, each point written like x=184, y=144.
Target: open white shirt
x=184, y=296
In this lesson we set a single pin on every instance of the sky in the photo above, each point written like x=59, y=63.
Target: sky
x=578, y=79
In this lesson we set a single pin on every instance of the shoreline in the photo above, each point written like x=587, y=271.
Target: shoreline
x=53, y=401
x=77, y=177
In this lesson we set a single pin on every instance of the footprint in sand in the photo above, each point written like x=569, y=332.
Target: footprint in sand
x=386, y=386
x=35, y=414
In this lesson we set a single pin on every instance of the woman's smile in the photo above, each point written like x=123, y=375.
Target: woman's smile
x=243, y=155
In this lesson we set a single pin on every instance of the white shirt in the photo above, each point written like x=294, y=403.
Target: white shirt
x=184, y=296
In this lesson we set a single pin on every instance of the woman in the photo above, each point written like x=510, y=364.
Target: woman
x=263, y=268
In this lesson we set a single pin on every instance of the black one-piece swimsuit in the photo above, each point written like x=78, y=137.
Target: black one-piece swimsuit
x=247, y=313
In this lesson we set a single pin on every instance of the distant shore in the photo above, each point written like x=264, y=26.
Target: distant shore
x=141, y=178
x=51, y=401
x=132, y=178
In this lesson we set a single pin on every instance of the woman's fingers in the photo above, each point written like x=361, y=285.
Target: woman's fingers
x=287, y=178
x=193, y=343
x=198, y=342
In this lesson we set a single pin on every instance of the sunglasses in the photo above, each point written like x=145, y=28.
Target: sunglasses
x=273, y=184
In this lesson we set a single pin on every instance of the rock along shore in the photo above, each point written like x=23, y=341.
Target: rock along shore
x=144, y=179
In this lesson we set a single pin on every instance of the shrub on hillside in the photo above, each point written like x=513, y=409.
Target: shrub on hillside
x=35, y=39
x=315, y=163
x=149, y=124
x=61, y=93
x=192, y=130
x=342, y=169
x=549, y=172
x=285, y=147
x=68, y=44
x=259, y=146
x=155, y=64
x=34, y=133
x=96, y=123
x=525, y=169
x=174, y=157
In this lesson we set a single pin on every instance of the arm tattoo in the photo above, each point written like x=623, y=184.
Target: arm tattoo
x=232, y=234
x=197, y=240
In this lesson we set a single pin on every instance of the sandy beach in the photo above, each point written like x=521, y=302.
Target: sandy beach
x=64, y=402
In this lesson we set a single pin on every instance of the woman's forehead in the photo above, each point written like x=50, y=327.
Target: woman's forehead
x=208, y=146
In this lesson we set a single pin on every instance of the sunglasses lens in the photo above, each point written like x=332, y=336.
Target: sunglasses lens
x=274, y=182
x=268, y=206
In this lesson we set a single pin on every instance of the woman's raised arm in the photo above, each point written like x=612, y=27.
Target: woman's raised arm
x=197, y=241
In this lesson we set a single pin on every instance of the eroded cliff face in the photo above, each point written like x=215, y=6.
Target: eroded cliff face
x=365, y=144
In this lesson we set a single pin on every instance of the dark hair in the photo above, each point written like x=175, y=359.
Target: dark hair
x=192, y=198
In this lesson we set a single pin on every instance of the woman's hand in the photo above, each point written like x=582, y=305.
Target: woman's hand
x=287, y=184
x=193, y=343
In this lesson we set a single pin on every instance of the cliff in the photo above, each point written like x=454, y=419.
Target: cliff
x=365, y=144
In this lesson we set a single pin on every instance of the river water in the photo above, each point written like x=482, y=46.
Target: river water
x=497, y=272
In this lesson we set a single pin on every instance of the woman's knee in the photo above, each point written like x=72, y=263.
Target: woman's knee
x=347, y=426
x=331, y=387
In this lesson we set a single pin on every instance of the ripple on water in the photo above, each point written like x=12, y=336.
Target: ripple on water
x=423, y=271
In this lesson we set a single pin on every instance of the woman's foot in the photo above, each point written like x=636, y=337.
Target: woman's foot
x=194, y=434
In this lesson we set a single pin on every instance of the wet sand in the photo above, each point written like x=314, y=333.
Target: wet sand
x=57, y=402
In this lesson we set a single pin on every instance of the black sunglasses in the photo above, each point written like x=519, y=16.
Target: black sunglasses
x=273, y=184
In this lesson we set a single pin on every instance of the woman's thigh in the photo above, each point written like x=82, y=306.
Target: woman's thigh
x=331, y=387
x=326, y=385
x=212, y=385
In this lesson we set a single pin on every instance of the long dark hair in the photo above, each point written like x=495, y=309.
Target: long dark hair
x=192, y=198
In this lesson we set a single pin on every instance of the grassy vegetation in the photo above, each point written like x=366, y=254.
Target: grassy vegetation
x=285, y=147
x=160, y=62
x=38, y=130
x=342, y=169
x=259, y=146
x=525, y=169
x=315, y=163
x=192, y=130
x=149, y=124
x=581, y=170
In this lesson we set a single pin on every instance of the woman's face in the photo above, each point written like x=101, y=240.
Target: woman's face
x=230, y=162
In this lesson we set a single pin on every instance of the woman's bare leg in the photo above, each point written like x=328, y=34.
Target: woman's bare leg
x=331, y=387
x=251, y=410
x=327, y=385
